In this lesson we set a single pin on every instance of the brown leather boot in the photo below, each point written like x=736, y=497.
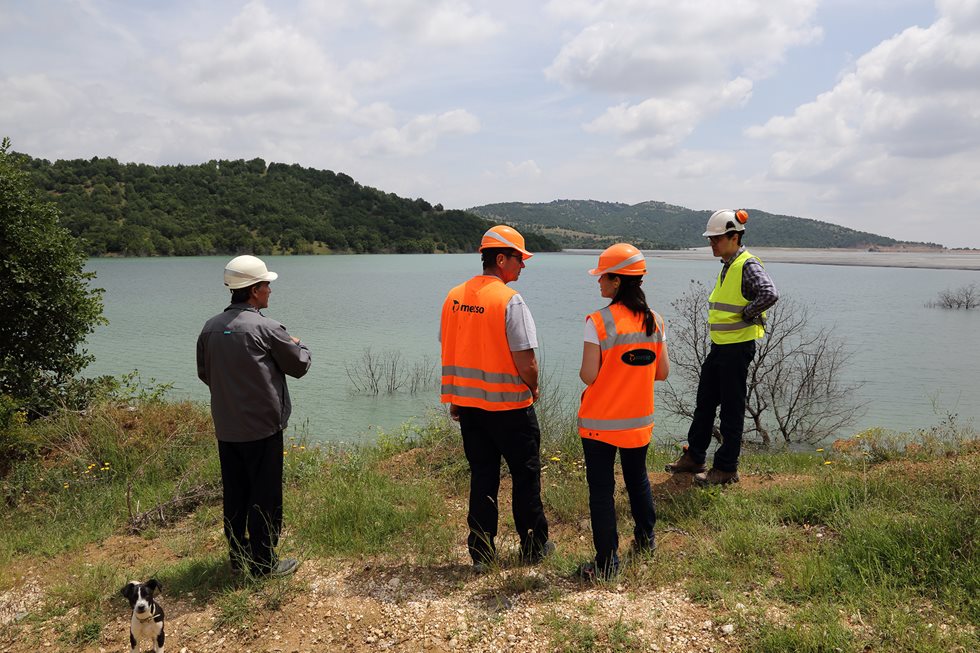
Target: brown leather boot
x=715, y=476
x=685, y=464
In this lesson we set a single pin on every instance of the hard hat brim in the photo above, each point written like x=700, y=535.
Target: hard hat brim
x=525, y=255
x=596, y=272
x=269, y=275
x=709, y=234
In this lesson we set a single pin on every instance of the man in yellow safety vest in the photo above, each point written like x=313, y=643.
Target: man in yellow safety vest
x=736, y=319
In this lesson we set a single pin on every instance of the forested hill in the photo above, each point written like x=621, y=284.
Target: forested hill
x=656, y=225
x=229, y=207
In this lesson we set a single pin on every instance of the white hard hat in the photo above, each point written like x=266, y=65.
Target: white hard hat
x=725, y=220
x=244, y=271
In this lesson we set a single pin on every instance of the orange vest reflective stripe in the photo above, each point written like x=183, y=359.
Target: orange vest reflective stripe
x=478, y=369
x=618, y=407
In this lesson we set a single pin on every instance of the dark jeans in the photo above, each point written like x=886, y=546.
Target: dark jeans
x=513, y=435
x=723, y=382
x=251, y=477
x=600, y=458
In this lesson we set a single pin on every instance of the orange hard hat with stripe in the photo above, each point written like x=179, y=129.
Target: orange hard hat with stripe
x=621, y=258
x=504, y=236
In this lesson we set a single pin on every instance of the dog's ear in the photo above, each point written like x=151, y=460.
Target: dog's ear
x=128, y=589
x=154, y=586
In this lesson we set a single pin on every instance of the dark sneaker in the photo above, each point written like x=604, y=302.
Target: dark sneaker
x=641, y=548
x=590, y=573
x=284, y=567
x=685, y=465
x=537, y=556
x=715, y=476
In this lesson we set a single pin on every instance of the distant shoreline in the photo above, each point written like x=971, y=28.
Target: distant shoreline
x=939, y=260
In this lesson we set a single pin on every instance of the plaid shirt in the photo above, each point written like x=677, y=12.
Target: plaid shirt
x=757, y=286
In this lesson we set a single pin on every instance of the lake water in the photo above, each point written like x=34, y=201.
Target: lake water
x=916, y=363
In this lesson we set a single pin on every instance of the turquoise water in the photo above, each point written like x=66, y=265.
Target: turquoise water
x=916, y=363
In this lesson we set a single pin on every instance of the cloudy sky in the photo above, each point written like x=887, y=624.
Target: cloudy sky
x=866, y=114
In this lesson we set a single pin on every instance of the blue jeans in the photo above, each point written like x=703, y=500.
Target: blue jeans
x=599, y=461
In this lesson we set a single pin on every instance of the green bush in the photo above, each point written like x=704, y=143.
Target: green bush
x=45, y=298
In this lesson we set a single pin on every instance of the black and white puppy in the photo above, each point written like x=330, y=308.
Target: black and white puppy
x=147, y=619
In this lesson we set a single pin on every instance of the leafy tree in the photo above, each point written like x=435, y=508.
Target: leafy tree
x=46, y=304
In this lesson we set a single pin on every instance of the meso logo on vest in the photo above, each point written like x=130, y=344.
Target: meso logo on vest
x=466, y=308
x=639, y=357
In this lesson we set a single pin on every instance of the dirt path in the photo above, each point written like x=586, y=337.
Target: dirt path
x=380, y=604
x=397, y=607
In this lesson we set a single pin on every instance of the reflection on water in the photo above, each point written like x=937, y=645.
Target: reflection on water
x=915, y=362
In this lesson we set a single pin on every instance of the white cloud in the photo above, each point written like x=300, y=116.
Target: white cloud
x=661, y=46
x=363, y=72
x=657, y=125
x=257, y=64
x=420, y=134
x=912, y=96
x=523, y=170
x=888, y=144
x=327, y=14
x=440, y=22
x=899, y=134
x=680, y=62
x=36, y=95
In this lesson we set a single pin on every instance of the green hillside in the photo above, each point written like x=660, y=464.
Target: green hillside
x=229, y=207
x=656, y=225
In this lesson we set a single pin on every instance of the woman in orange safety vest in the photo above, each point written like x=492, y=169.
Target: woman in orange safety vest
x=625, y=351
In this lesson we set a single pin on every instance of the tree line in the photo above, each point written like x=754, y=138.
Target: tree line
x=657, y=225
x=232, y=207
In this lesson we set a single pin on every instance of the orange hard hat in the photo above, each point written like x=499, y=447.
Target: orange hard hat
x=504, y=236
x=621, y=258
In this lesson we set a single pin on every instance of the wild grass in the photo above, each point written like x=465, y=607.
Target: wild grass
x=569, y=635
x=873, y=542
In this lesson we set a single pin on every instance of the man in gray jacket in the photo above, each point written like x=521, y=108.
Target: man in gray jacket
x=244, y=357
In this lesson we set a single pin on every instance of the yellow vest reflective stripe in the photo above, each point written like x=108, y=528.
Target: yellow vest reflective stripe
x=478, y=369
x=726, y=303
x=618, y=407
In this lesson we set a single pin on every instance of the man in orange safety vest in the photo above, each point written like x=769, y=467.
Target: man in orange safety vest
x=490, y=381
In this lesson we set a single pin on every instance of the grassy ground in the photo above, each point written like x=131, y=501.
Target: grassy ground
x=871, y=544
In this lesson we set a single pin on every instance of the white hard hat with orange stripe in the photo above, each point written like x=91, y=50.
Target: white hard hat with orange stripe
x=504, y=236
x=621, y=258
x=725, y=220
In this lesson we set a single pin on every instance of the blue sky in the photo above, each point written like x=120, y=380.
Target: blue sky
x=866, y=114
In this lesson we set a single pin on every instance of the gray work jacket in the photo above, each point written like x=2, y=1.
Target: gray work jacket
x=244, y=356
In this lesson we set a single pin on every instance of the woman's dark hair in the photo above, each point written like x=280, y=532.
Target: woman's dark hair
x=241, y=295
x=632, y=297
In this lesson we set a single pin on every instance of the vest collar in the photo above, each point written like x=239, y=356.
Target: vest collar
x=741, y=250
